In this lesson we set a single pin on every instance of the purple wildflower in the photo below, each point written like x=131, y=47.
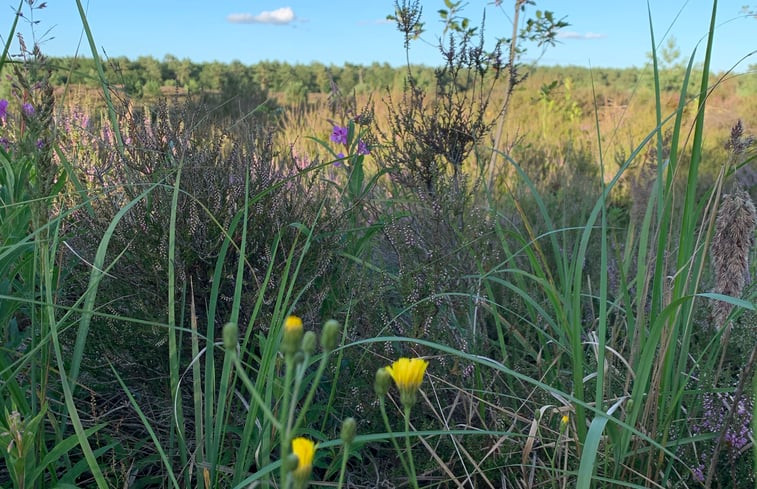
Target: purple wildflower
x=40, y=143
x=698, y=473
x=3, y=109
x=28, y=109
x=339, y=158
x=5, y=143
x=736, y=435
x=362, y=148
x=339, y=135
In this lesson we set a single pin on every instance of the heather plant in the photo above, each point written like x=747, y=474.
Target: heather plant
x=729, y=420
x=219, y=173
x=229, y=237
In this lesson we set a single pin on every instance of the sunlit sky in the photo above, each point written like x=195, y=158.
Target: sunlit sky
x=601, y=34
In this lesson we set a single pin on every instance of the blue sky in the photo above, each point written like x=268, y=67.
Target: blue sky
x=601, y=34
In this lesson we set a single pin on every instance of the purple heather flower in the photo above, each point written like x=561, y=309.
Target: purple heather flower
x=699, y=473
x=28, y=109
x=339, y=135
x=362, y=148
x=715, y=408
x=3, y=109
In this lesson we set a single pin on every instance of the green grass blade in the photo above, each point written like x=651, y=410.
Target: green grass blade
x=591, y=446
x=95, y=277
x=103, y=80
x=66, y=384
x=9, y=39
x=148, y=427
x=174, y=359
x=61, y=449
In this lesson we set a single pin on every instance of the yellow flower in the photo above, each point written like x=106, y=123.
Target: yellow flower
x=305, y=451
x=292, y=338
x=292, y=324
x=408, y=375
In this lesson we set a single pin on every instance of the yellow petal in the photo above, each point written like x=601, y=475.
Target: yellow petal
x=305, y=451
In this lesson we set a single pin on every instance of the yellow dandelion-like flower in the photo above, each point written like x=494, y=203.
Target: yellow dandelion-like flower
x=292, y=324
x=292, y=339
x=407, y=373
x=305, y=451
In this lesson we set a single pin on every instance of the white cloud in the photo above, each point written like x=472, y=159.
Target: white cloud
x=580, y=35
x=280, y=16
x=375, y=22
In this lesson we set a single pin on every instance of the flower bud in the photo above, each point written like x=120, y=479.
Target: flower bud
x=291, y=462
x=330, y=335
x=308, y=343
x=290, y=342
x=230, y=333
x=349, y=428
x=382, y=382
x=299, y=357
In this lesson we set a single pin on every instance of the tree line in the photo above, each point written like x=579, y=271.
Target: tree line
x=149, y=77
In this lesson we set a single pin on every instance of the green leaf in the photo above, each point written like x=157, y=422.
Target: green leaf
x=731, y=300
x=61, y=449
x=591, y=446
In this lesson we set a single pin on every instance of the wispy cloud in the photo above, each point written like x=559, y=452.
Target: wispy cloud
x=280, y=16
x=580, y=35
x=375, y=22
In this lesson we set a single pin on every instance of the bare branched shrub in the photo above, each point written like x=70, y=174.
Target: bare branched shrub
x=432, y=133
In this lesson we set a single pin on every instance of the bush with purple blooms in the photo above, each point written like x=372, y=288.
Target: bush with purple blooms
x=734, y=464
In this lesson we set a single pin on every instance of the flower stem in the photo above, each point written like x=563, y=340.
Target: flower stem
x=256, y=395
x=413, y=478
x=299, y=374
x=390, y=432
x=285, y=434
x=311, y=393
x=345, y=456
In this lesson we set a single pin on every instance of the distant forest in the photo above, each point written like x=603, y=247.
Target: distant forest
x=148, y=77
